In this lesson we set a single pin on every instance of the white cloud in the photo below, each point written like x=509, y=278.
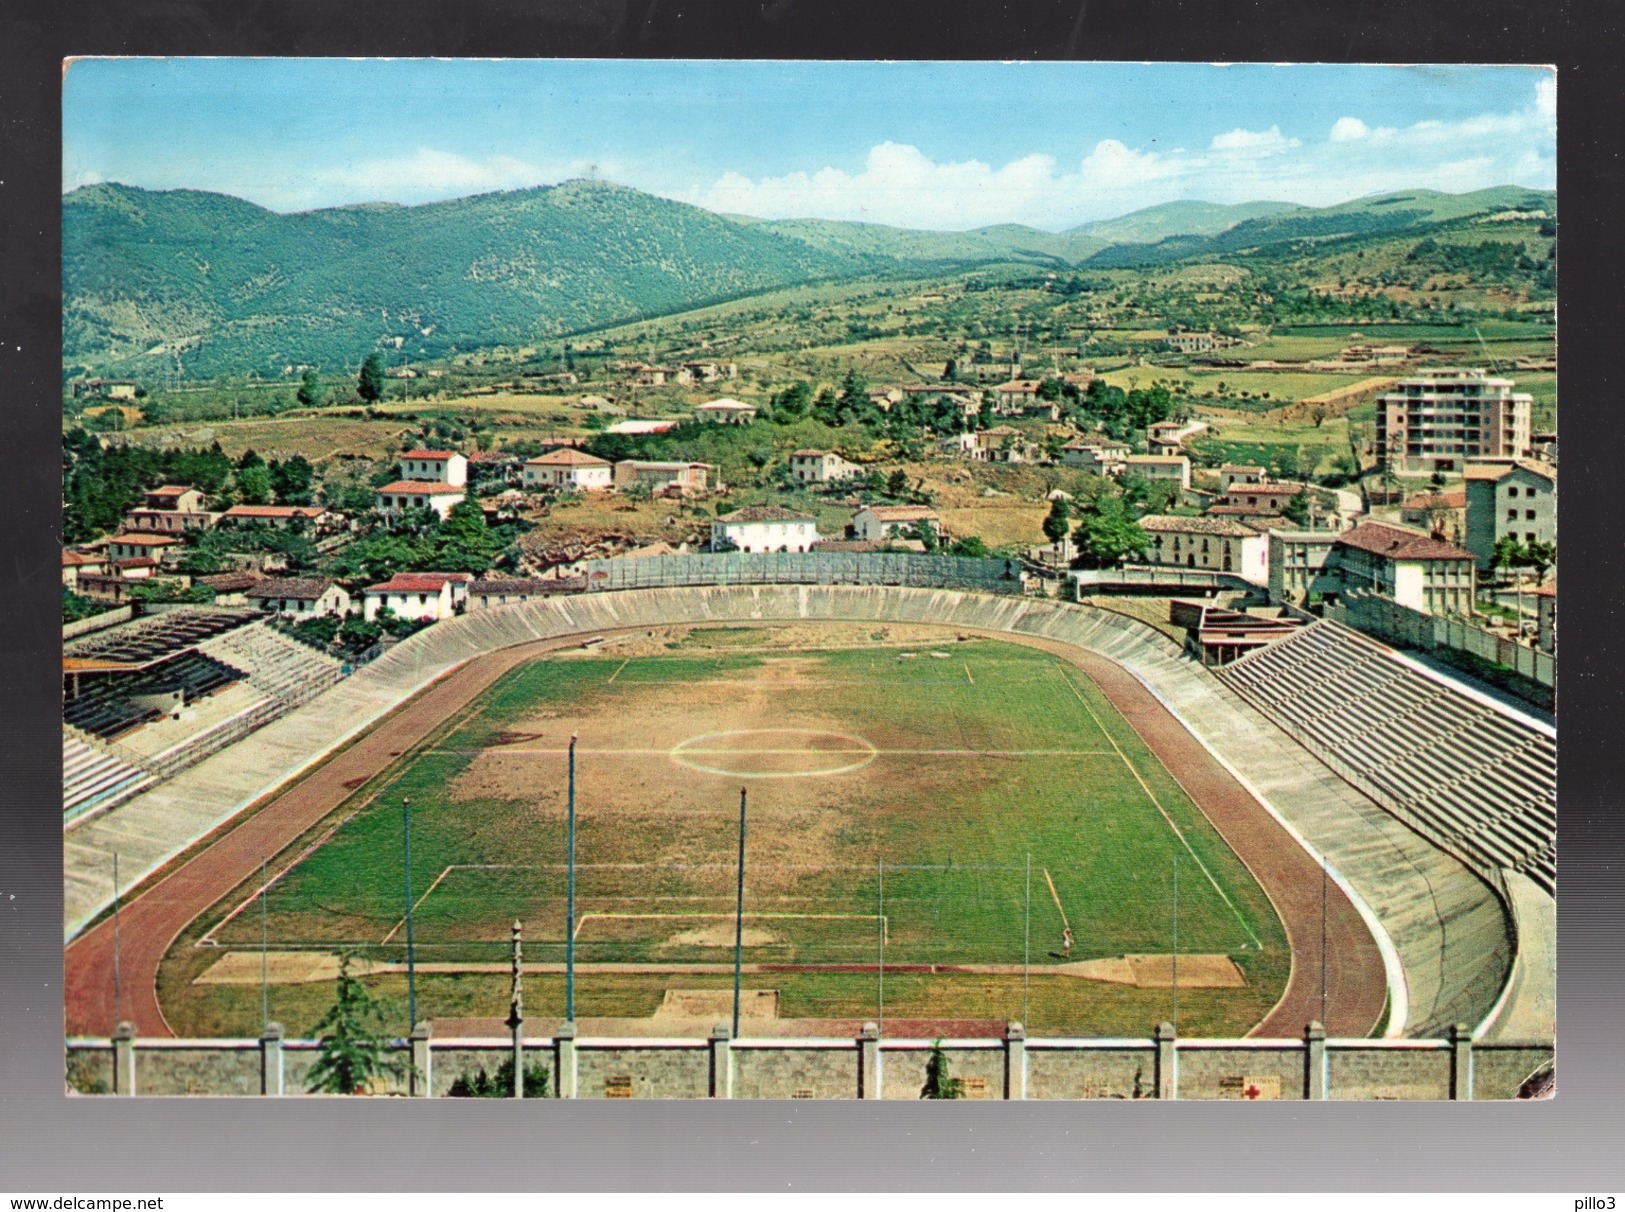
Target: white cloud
x=1346, y=129
x=1546, y=97
x=1254, y=142
x=431, y=172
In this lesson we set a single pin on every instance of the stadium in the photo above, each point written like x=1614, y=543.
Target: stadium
x=1007, y=822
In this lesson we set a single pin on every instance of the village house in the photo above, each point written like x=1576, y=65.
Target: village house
x=302, y=597
x=569, y=469
x=1213, y=544
x=435, y=466
x=1440, y=513
x=317, y=516
x=1407, y=566
x=663, y=477
x=1015, y=395
x=1103, y=458
x=877, y=523
x=725, y=412
x=76, y=564
x=764, y=528
x=1264, y=498
x=137, y=546
x=489, y=592
x=1159, y=467
x=1231, y=474
x=175, y=497
x=230, y=588
x=167, y=521
x=397, y=497
x=1509, y=498
x=424, y=596
x=821, y=467
x=710, y=372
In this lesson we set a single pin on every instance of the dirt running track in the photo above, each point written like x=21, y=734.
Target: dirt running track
x=150, y=923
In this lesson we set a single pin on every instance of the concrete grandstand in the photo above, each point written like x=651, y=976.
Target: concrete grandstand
x=1447, y=938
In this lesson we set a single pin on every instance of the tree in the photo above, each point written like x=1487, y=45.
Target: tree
x=938, y=1082
x=927, y=534
x=897, y=483
x=481, y=1085
x=370, y=384
x=1059, y=520
x=1540, y=555
x=310, y=389
x=1508, y=553
x=1296, y=510
x=355, y=1051
x=292, y=480
x=1107, y=534
x=971, y=547
x=254, y=485
x=950, y=372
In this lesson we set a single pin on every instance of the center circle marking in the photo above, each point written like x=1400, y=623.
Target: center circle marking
x=712, y=745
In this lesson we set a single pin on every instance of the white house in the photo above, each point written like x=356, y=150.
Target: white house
x=1212, y=544
x=821, y=467
x=306, y=597
x=418, y=595
x=1160, y=467
x=397, y=497
x=140, y=546
x=438, y=466
x=764, y=528
x=726, y=412
x=876, y=523
x=568, y=469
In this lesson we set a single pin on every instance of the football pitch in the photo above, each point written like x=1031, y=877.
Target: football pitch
x=958, y=805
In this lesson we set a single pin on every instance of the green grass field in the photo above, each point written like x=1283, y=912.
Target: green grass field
x=890, y=794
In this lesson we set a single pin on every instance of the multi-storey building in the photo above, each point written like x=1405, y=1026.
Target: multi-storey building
x=1509, y=498
x=1213, y=544
x=1436, y=420
x=1411, y=568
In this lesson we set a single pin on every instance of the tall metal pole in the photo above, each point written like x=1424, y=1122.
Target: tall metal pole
x=1176, y=945
x=516, y=1017
x=411, y=955
x=739, y=913
x=880, y=965
x=1027, y=942
x=116, y=990
x=265, y=935
x=570, y=894
x=1323, y=940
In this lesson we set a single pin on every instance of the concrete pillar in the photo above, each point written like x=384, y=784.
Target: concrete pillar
x=422, y=1081
x=271, y=1071
x=1314, y=1061
x=1167, y=1062
x=124, y=1059
x=1015, y=1061
x=722, y=1062
x=564, y=1051
x=869, y=1079
x=1461, y=1062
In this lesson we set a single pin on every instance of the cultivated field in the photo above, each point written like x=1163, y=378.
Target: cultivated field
x=897, y=795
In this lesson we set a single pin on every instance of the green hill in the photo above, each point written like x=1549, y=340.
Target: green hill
x=1187, y=218
x=230, y=287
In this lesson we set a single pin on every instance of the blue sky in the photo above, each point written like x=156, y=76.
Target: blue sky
x=931, y=145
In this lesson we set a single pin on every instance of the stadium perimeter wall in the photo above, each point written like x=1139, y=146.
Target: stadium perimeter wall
x=1451, y=942
x=867, y=1067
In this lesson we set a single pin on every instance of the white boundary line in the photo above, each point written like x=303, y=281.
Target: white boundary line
x=1152, y=795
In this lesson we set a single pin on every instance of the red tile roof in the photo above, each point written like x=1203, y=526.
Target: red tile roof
x=419, y=582
x=300, y=589
x=145, y=540
x=170, y=490
x=73, y=559
x=274, y=511
x=567, y=458
x=1395, y=543
x=765, y=513
x=431, y=454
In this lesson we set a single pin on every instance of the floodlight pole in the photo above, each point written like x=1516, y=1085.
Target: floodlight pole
x=1176, y=945
x=570, y=894
x=265, y=935
x=880, y=965
x=739, y=913
x=116, y=990
x=1323, y=939
x=411, y=955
